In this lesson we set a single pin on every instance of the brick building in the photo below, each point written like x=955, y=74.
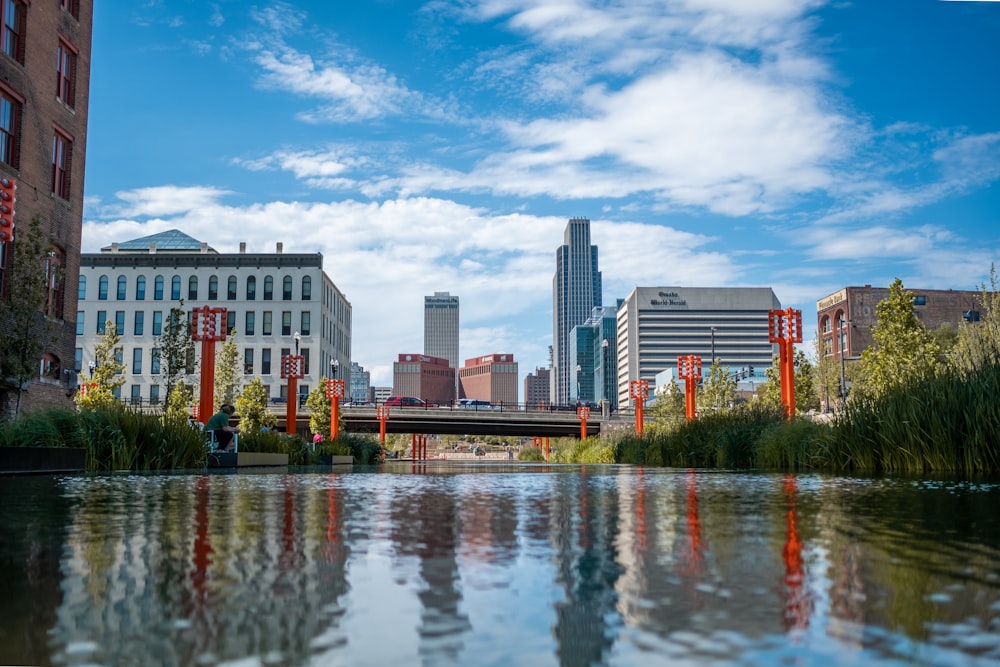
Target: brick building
x=492, y=378
x=43, y=146
x=424, y=376
x=536, y=388
x=845, y=317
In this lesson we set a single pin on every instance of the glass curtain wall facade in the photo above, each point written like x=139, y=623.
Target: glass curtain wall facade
x=576, y=291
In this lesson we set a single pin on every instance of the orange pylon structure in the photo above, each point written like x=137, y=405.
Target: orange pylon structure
x=382, y=414
x=785, y=329
x=689, y=368
x=208, y=325
x=335, y=392
x=638, y=391
x=583, y=412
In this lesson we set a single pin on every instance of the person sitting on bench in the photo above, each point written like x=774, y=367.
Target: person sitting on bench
x=219, y=426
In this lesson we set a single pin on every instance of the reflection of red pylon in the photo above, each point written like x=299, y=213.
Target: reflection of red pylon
x=202, y=554
x=796, y=615
x=695, y=547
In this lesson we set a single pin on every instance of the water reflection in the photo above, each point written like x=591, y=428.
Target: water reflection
x=459, y=564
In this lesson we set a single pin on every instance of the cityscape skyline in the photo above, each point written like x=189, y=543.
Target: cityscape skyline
x=426, y=146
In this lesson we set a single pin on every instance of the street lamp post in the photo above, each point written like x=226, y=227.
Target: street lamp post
x=92, y=366
x=579, y=368
x=713, y=346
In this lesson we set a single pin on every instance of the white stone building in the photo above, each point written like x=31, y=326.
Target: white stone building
x=273, y=300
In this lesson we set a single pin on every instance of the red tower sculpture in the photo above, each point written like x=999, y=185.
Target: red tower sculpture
x=335, y=392
x=208, y=325
x=583, y=412
x=785, y=329
x=638, y=391
x=689, y=368
x=292, y=369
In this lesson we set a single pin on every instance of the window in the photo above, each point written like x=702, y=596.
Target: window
x=158, y=288
x=193, y=288
x=251, y=288
x=305, y=321
x=268, y=288
x=920, y=300
x=230, y=321
x=66, y=72
x=80, y=322
x=140, y=288
x=286, y=288
x=102, y=318
x=122, y=285
x=231, y=288
x=157, y=322
x=248, y=361
x=286, y=323
x=307, y=283
x=154, y=395
x=10, y=128
x=266, y=327
x=136, y=397
x=81, y=291
x=249, y=324
x=54, y=282
x=12, y=39
x=120, y=322
x=62, y=160
x=102, y=288
x=71, y=6
x=119, y=352
x=137, y=361
x=305, y=365
x=78, y=360
x=175, y=288
x=265, y=361
x=140, y=321
x=154, y=361
x=213, y=288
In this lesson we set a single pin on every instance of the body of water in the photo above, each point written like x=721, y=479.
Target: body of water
x=498, y=564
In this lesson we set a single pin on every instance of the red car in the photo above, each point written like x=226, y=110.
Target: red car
x=405, y=402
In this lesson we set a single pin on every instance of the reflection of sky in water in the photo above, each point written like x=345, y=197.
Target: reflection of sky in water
x=475, y=564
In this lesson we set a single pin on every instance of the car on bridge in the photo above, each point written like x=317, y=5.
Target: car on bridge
x=405, y=402
x=476, y=404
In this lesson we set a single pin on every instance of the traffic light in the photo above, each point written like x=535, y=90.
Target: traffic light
x=750, y=370
x=8, y=190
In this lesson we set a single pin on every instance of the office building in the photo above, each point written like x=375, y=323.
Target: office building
x=423, y=376
x=492, y=377
x=360, y=385
x=441, y=327
x=593, y=346
x=43, y=150
x=536, y=389
x=658, y=324
x=274, y=301
x=576, y=291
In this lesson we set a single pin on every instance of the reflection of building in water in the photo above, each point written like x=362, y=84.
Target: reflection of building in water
x=256, y=569
x=585, y=532
x=427, y=527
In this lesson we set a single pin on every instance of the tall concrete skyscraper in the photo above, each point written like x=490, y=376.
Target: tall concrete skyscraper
x=576, y=290
x=441, y=327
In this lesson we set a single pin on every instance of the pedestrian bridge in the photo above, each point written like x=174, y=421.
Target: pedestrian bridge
x=458, y=421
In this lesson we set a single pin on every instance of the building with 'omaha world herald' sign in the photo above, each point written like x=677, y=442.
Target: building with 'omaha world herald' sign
x=658, y=324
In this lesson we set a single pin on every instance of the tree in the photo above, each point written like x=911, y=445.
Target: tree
x=251, y=406
x=319, y=406
x=719, y=389
x=806, y=383
x=977, y=343
x=179, y=400
x=25, y=331
x=904, y=350
x=108, y=372
x=668, y=406
x=176, y=348
x=826, y=378
x=228, y=372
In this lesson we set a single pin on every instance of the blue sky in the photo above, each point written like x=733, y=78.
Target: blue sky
x=432, y=146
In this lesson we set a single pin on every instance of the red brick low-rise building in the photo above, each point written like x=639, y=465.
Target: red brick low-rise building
x=422, y=376
x=492, y=378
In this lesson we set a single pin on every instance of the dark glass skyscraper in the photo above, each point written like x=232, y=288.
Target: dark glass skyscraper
x=576, y=290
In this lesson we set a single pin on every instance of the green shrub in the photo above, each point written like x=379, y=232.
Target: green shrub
x=531, y=454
